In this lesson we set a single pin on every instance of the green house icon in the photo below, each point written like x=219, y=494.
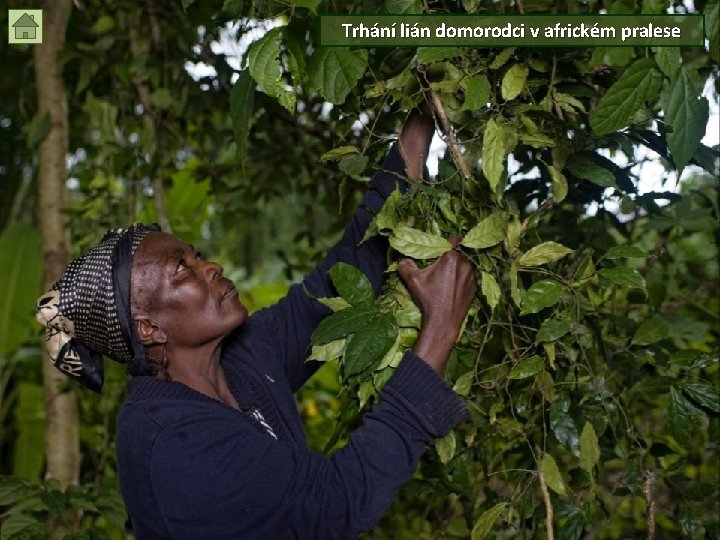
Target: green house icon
x=25, y=27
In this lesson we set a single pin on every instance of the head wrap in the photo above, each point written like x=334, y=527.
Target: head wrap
x=86, y=314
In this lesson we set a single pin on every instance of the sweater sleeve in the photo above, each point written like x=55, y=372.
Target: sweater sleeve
x=287, y=325
x=217, y=480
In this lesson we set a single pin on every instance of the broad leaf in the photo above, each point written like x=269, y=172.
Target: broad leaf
x=242, y=99
x=264, y=62
x=485, y=522
x=403, y=7
x=551, y=474
x=527, y=368
x=651, y=331
x=327, y=351
x=352, y=284
x=12, y=489
x=703, y=394
x=499, y=140
x=681, y=416
x=687, y=112
x=20, y=284
x=418, y=244
x=542, y=294
x=445, y=447
x=712, y=28
x=543, y=254
x=513, y=81
x=589, y=448
x=625, y=251
x=639, y=83
x=584, y=168
x=339, y=152
x=489, y=232
x=552, y=329
x=563, y=426
x=490, y=289
x=625, y=277
x=369, y=344
x=477, y=92
x=341, y=324
x=335, y=71
x=464, y=383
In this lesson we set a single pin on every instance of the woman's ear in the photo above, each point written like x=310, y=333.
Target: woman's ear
x=150, y=333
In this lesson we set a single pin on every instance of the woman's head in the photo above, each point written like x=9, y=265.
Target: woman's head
x=179, y=299
x=93, y=309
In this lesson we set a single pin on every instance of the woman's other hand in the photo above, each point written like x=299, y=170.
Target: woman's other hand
x=443, y=291
x=415, y=138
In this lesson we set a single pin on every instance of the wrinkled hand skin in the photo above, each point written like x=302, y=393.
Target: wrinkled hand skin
x=443, y=291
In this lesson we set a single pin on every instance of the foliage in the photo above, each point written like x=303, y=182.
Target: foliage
x=583, y=352
x=590, y=353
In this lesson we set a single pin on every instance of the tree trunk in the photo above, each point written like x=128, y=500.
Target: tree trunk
x=62, y=447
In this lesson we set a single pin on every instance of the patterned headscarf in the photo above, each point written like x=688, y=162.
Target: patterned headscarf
x=86, y=314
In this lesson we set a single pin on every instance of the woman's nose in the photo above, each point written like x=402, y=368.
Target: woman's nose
x=213, y=270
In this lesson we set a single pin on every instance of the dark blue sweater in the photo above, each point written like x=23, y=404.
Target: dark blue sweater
x=192, y=467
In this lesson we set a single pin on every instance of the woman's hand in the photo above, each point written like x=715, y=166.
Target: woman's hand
x=443, y=291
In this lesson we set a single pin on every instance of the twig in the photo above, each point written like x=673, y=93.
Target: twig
x=649, y=505
x=438, y=111
x=546, y=500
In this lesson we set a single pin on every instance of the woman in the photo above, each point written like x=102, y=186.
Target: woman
x=209, y=441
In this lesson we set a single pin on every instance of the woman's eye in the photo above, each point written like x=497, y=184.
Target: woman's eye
x=199, y=255
x=182, y=265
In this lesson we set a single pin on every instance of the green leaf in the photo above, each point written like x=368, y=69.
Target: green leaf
x=490, y=289
x=12, y=489
x=489, y=232
x=703, y=394
x=485, y=522
x=513, y=81
x=527, y=368
x=543, y=254
x=669, y=60
x=687, y=112
x=264, y=62
x=369, y=343
x=339, y=152
x=499, y=140
x=336, y=303
x=651, y=331
x=626, y=251
x=559, y=183
x=584, y=168
x=537, y=140
x=562, y=425
x=445, y=447
x=103, y=25
x=477, y=92
x=625, y=277
x=403, y=7
x=501, y=59
x=552, y=329
x=341, y=324
x=428, y=55
x=418, y=244
x=464, y=383
x=552, y=475
x=20, y=284
x=38, y=129
x=328, y=351
x=335, y=71
x=353, y=165
x=681, y=416
x=542, y=294
x=589, y=448
x=639, y=83
x=242, y=101
x=22, y=523
x=352, y=284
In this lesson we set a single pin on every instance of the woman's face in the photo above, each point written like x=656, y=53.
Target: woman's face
x=185, y=295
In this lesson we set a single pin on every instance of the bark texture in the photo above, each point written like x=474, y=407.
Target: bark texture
x=61, y=440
